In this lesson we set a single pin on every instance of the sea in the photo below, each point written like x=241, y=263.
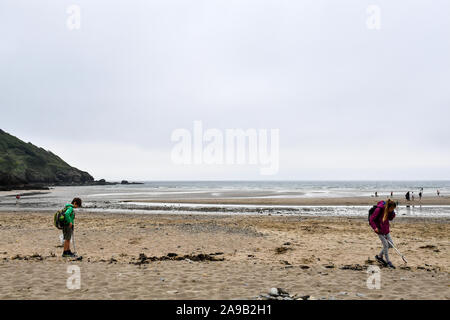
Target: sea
x=129, y=198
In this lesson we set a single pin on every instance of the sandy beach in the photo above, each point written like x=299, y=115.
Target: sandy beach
x=137, y=256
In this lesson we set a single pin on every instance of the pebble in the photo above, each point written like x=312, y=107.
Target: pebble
x=278, y=294
x=273, y=292
x=172, y=291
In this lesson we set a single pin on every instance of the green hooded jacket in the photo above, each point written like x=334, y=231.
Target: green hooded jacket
x=70, y=213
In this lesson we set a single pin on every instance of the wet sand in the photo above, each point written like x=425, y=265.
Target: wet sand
x=298, y=201
x=132, y=256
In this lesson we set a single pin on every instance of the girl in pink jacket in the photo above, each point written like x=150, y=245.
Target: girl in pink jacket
x=379, y=221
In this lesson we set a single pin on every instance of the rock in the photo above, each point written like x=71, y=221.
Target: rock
x=282, y=291
x=281, y=250
x=124, y=182
x=360, y=295
x=304, y=267
x=172, y=292
x=273, y=292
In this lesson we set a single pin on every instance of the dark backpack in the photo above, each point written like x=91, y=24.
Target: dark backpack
x=59, y=219
x=372, y=210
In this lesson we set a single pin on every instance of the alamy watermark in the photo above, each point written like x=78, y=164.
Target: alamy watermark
x=73, y=21
x=373, y=21
x=374, y=279
x=74, y=281
x=227, y=147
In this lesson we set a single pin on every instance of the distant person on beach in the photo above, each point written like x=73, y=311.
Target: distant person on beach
x=17, y=199
x=407, y=196
x=68, y=225
x=379, y=221
x=412, y=195
x=392, y=194
x=438, y=193
x=420, y=195
x=376, y=194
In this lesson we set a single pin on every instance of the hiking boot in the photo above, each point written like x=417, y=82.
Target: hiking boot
x=68, y=254
x=381, y=260
x=390, y=265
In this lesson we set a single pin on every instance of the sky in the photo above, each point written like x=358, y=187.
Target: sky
x=355, y=94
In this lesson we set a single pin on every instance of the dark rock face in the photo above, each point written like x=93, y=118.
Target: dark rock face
x=23, y=164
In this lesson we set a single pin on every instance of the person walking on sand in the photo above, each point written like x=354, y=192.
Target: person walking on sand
x=379, y=221
x=438, y=193
x=407, y=196
x=68, y=225
x=420, y=196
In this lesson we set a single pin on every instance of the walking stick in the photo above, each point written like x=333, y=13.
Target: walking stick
x=73, y=240
x=403, y=257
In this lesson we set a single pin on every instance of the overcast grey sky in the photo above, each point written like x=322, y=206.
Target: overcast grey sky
x=350, y=102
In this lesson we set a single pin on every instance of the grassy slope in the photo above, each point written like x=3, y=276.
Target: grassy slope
x=22, y=162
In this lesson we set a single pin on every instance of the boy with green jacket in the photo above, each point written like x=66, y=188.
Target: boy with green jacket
x=68, y=225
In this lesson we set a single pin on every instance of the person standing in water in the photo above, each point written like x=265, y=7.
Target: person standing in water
x=379, y=221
